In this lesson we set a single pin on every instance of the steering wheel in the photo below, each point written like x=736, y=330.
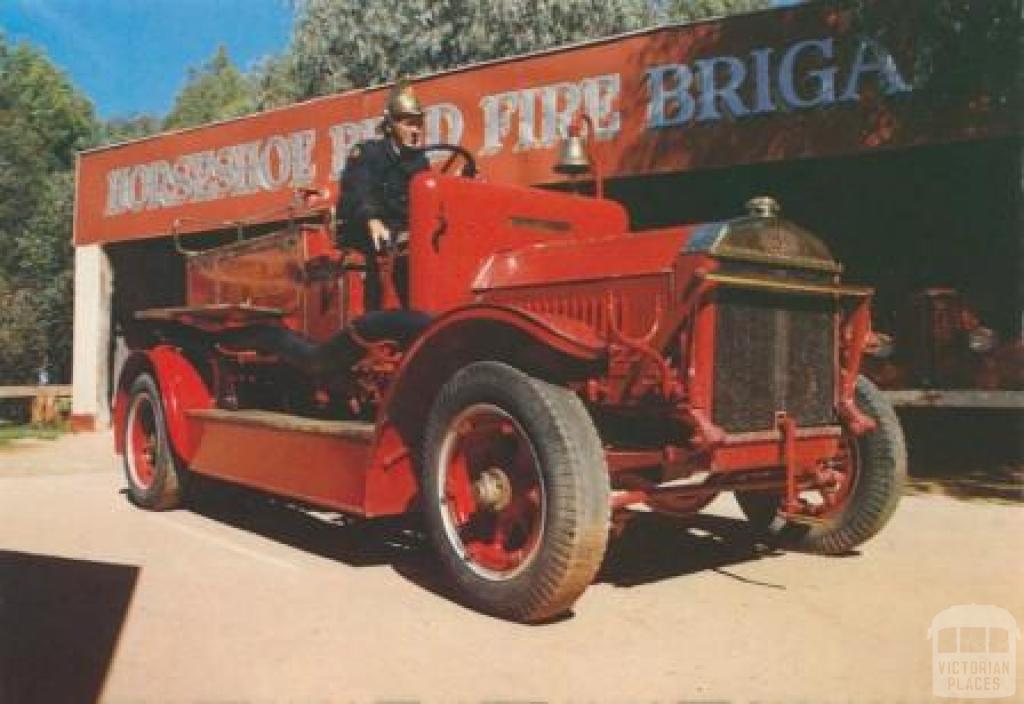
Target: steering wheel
x=469, y=169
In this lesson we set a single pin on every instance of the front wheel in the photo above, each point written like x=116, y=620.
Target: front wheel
x=516, y=492
x=154, y=472
x=872, y=468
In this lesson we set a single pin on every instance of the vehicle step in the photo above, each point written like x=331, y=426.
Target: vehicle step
x=802, y=518
x=212, y=314
x=356, y=430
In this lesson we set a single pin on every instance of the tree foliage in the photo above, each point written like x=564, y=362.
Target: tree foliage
x=39, y=99
x=274, y=82
x=680, y=10
x=963, y=49
x=215, y=91
x=124, y=129
x=44, y=120
x=344, y=44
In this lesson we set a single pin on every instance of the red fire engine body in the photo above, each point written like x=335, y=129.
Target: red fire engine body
x=551, y=372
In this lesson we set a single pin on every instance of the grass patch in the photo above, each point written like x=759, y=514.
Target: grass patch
x=32, y=432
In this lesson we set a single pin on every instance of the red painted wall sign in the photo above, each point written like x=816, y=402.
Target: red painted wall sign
x=775, y=85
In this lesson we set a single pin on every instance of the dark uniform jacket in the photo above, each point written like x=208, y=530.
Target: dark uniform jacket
x=375, y=184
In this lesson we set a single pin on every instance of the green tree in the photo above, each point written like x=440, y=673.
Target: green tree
x=43, y=121
x=343, y=44
x=34, y=93
x=274, y=82
x=124, y=129
x=215, y=91
x=964, y=50
x=688, y=10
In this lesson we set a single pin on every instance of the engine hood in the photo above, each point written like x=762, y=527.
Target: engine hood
x=764, y=240
x=650, y=252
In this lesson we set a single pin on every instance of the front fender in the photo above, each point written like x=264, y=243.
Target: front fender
x=182, y=389
x=551, y=347
x=566, y=335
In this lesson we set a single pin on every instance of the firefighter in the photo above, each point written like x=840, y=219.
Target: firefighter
x=373, y=206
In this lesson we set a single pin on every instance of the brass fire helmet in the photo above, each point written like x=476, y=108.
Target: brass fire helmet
x=402, y=102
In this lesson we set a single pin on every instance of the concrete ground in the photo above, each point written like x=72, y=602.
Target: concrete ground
x=244, y=600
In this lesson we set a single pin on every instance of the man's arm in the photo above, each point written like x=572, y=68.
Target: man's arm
x=359, y=198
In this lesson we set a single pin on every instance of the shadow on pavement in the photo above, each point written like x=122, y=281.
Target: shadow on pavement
x=651, y=549
x=656, y=547
x=398, y=543
x=60, y=621
x=355, y=542
x=965, y=454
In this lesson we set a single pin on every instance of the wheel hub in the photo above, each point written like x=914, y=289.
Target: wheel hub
x=492, y=491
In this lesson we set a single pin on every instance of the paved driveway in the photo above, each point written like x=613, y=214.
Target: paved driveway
x=244, y=600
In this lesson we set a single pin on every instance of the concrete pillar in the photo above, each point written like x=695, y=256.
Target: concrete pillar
x=90, y=372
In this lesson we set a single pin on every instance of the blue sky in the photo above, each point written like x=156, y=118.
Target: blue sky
x=132, y=56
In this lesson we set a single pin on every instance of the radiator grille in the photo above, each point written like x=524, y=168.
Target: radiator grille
x=772, y=353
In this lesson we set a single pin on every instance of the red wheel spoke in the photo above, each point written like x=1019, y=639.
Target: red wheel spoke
x=501, y=531
x=835, y=483
x=491, y=556
x=533, y=498
x=143, y=438
x=458, y=490
x=492, y=491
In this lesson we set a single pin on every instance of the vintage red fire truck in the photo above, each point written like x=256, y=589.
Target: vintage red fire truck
x=551, y=372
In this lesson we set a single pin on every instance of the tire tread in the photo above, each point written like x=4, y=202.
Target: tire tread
x=875, y=495
x=168, y=488
x=573, y=546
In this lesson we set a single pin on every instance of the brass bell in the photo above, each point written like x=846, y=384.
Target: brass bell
x=572, y=157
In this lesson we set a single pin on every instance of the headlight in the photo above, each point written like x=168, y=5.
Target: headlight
x=981, y=340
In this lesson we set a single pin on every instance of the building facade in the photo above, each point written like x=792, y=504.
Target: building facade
x=689, y=122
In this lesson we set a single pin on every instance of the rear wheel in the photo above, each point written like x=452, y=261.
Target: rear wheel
x=516, y=492
x=870, y=471
x=154, y=473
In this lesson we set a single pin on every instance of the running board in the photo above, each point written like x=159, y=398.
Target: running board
x=802, y=519
x=321, y=462
x=355, y=430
